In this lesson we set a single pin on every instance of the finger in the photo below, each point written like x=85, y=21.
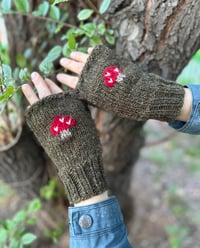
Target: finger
x=90, y=49
x=68, y=80
x=80, y=57
x=41, y=85
x=53, y=87
x=72, y=65
x=29, y=93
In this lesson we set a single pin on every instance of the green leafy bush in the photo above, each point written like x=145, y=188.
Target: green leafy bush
x=54, y=17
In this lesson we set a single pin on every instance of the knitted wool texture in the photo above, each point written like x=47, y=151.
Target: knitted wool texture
x=132, y=93
x=77, y=151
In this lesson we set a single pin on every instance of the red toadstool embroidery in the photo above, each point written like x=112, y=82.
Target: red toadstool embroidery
x=112, y=75
x=61, y=126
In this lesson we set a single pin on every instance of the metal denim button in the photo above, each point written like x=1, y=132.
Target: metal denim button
x=85, y=221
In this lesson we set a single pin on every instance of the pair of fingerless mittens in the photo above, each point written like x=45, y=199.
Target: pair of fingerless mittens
x=63, y=125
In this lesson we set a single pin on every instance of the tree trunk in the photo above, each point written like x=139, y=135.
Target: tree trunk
x=161, y=36
x=23, y=166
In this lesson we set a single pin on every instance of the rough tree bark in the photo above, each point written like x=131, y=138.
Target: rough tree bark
x=161, y=36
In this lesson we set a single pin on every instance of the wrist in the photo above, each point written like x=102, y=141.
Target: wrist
x=187, y=106
x=93, y=200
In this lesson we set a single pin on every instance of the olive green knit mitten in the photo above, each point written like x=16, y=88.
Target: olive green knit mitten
x=63, y=126
x=118, y=85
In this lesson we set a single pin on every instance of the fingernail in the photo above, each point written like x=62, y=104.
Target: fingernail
x=34, y=75
x=62, y=60
x=59, y=76
x=72, y=53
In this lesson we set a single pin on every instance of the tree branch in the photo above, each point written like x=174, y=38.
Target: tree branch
x=44, y=18
x=92, y=6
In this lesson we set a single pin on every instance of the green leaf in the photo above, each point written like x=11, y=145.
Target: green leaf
x=34, y=206
x=6, y=5
x=24, y=74
x=42, y=9
x=95, y=40
x=101, y=28
x=54, y=53
x=22, y=5
x=197, y=56
x=14, y=243
x=46, y=67
x=66, y=51
x=54, y=13
x=71, y=42
x=110, y=39
x=104, y=6
x=27, y=53
x=85, y=14
x=54, y=2
x=58, y=28
x=20, y=216
x=20, y=60
x=5, y=74
x=83, y=40
x=8, y=92
x=3, y=104
x=90, y=28
x=49, y=191
x=28, y=238
x=9, y=225
x=31, y=221
x=3, y=236
x=110, y=31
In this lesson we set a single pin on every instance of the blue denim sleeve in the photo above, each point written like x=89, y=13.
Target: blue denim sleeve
x=192, y=126
x=98, y=225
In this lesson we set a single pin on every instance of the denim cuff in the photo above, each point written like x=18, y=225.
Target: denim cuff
x=94, y=218
x=192, y=126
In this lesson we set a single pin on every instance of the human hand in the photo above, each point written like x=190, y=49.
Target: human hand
x=75, y=64
x=44, y=87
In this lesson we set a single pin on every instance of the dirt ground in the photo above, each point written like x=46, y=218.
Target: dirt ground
x=166, y=189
